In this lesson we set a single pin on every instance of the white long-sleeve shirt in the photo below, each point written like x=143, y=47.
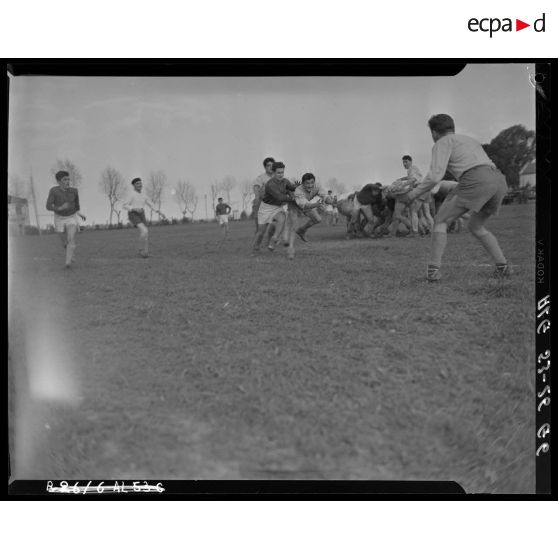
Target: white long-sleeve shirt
x=137, y=201
x=455, y=153
x=304, y=195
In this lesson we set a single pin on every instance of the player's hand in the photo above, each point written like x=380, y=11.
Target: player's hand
x=82, y=216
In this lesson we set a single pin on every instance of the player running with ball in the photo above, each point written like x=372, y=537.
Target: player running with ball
x=135, y=205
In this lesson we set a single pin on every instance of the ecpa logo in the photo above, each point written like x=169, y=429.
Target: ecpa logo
x=494, y=24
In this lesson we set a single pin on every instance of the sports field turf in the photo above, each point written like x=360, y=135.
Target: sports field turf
x=202, y=362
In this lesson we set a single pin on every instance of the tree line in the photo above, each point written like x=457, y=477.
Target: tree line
x=510, y=150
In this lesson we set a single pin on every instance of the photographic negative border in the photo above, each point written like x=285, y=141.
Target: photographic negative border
x=22, y=489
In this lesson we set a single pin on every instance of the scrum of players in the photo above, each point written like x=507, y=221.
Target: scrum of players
x=462, y=183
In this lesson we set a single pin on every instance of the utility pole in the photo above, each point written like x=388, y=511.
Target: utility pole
x=206, y=215
x=32, y=190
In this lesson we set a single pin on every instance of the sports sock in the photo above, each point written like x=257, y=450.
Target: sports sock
x=439, y=242
x=491, y=245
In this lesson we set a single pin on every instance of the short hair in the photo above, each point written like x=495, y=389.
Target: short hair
x=330, y=191
x=441, y=123
x=407, y=158
x=136, y=180
x=308, y=176
x=277, y=165
x=268, y=160
x=219, y=199
x=60, y=175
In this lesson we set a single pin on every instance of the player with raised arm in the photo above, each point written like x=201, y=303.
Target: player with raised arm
x=64, y=201
x=481, y=187
x=135, y=205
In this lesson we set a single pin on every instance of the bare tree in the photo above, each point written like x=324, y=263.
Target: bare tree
x=335, y=186
x=69, y=166
x=17, y=186
x=215, y=191
x=228, y=184
x=112, y=185
x=247, y=192
x=156, y=186
x=186, y=198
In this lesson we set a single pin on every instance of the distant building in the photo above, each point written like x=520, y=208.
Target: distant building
x=528, y=175
x=18, y=215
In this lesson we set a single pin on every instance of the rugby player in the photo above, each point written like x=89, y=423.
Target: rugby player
x=278, y=191
x=222, y=212
x=421, y=218
x=329, y=202
x=370, y=202
x=135, y=206
x=304, y=193
x=64, y=201
x=259, y=186
x=396, y=197
x=481, y=187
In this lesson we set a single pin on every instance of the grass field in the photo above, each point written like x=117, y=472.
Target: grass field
x=202, y=362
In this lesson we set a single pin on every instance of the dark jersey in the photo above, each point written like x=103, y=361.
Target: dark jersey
x=57, y=196
x=222, y=209
x=278, y=192
x=369, y=194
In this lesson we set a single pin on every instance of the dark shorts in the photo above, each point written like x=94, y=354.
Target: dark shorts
x=481, y=188
x=137, y=217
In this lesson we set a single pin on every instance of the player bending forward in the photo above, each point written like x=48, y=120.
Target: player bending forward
x=480, y=189
x=135, y=205
x=303, y=206
x=64, y=201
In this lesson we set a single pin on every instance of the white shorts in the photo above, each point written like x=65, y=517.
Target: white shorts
x=61, y=222
x=267, y=212
x=329, y=208
x=223, y=219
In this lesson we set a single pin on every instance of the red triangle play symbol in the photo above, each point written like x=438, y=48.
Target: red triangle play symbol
x=519, y=25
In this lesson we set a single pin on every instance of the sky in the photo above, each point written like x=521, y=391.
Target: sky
x=355, y=129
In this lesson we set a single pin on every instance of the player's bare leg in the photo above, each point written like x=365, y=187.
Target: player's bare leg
x=278, y=230
x=448, y=212
x=143, y=240
x=489, y=242
x=259, y=237
x=63, y=238
x=71, y=243
x=292, y=223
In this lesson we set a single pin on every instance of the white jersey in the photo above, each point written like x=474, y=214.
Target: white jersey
x=137, y=201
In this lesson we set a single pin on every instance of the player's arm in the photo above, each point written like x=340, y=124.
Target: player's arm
x=152, y=207
x=440, y=157
x=275, y=191
x=50, y=202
